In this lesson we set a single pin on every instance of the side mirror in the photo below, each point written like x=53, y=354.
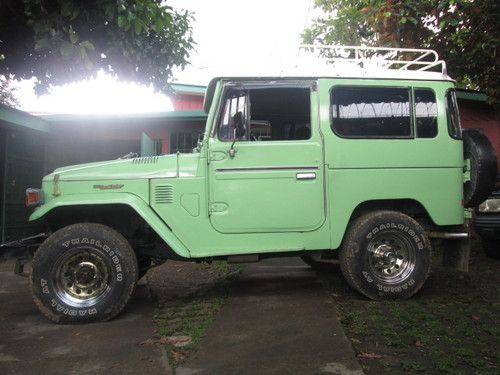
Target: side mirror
x=199, y=143
x=239, y=125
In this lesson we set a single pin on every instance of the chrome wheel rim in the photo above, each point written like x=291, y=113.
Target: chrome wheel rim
x=82, y=278
x=391, y=257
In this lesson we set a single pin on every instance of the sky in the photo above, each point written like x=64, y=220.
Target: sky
x=234, y=37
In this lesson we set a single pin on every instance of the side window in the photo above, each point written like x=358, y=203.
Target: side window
x=371, y=112
x=452, y=115
x=234, y=116
x=426, y=113
x=280, y=114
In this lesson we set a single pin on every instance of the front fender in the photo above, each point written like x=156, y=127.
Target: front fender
x=135, y=202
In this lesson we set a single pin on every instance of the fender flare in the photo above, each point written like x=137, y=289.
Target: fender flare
x=135, y=202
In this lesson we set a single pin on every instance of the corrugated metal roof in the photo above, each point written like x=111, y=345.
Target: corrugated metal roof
x=16, y=117
x=471, y=95
x=196, y=114
x=181, y=88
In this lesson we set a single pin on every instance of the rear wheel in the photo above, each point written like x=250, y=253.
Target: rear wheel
x=386, y=255
x=83, y=273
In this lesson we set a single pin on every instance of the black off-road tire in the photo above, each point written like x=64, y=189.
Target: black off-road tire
x=483, y=167
x=380, y=237
x=491, y=247
x=83, y=273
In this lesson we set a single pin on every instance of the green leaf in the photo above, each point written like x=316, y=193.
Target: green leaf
x=122, y=20
x=403, y=19
x=66, y=8
x=158, y=24
x=387, y=14
x=137, y=26
x=66, y=49
x=42, y=44
x=73, y=36
x=87, y=45
x=75, y=13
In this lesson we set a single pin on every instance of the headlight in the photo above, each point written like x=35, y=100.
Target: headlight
x=490, y=206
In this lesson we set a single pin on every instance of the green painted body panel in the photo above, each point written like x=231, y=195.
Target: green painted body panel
x=138, y=204
x=439, y=191
x=264, y=199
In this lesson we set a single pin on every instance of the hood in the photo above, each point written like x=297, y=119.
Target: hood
x=166, y=166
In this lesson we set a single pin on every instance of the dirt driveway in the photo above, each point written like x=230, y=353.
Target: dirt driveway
x=30, y=344
x=277, y=304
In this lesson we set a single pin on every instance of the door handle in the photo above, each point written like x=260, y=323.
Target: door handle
x=306, y=176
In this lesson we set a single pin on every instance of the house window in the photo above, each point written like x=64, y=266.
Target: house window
x=184, y=141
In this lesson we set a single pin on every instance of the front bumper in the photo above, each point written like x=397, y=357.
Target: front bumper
x=21, y=250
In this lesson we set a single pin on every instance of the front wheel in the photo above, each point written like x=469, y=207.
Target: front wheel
x=83, y=273
x=386, y=255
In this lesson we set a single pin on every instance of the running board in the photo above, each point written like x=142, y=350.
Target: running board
x=250, y=258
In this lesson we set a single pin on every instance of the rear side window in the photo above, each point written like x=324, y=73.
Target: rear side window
x=452, y=115
x=426, y=113
x=371, y=112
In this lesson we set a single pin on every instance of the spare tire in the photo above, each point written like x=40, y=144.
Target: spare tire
x=483, y=167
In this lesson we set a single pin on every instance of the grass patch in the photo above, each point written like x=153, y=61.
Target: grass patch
x=450, y=326
x=192, y=315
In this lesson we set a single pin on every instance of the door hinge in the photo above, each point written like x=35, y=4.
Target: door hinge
x=216, y=156
x=466, y=175
x=217, y=207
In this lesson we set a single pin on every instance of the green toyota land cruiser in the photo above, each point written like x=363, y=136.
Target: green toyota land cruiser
x=367, y=169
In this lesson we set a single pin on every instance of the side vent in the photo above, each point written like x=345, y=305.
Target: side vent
x=164, y=194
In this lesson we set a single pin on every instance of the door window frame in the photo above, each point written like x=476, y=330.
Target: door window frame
x=249, y=85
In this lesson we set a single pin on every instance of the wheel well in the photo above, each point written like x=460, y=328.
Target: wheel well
x=409, y=207
x=122, y=218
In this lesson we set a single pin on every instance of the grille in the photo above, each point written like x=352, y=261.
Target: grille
x=145, y=160
x=164, y=194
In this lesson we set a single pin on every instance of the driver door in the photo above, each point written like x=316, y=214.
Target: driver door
x=259, y=179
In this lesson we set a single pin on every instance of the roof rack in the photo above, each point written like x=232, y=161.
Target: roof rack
x=408, y=59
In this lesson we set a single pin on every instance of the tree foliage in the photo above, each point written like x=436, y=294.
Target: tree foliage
x=465, y=33
x=61, y=41
x=7, y=95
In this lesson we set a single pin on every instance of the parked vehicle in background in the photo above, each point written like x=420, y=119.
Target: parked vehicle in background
x=369, y=168
x=487, y=225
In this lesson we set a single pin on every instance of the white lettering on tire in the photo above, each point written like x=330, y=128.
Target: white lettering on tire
x=415, y=237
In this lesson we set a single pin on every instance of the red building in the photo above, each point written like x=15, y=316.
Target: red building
x=112, y=135
x=476, y=111
x=187, y=97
